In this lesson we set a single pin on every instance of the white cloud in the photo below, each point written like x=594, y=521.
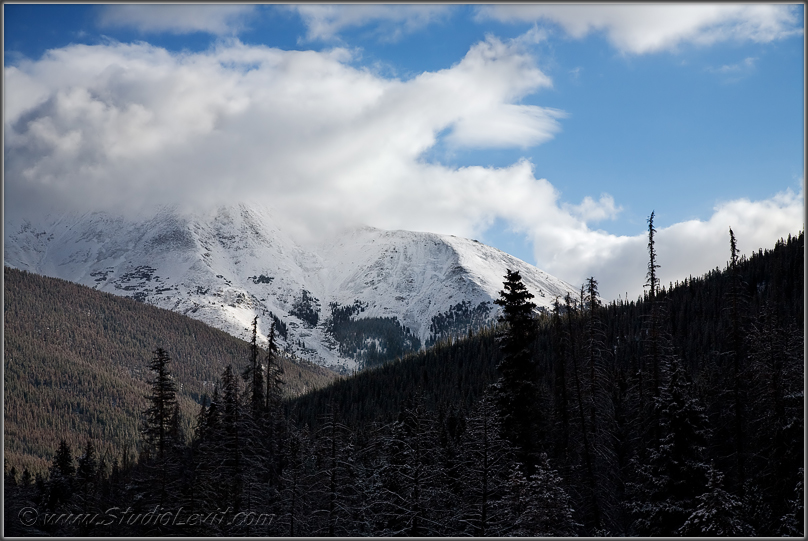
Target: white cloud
x=218, y=19
x=648, y=28
x=132, y=124
x=325, y=22
x=693, y=247
x=594, y=211
x=125, y=126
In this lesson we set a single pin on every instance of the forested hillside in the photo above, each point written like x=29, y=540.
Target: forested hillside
x=76, y=365
x=734, y=338
x=699, y=318
x=679, y=414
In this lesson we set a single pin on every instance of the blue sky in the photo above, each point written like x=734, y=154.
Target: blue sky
x=551, y=132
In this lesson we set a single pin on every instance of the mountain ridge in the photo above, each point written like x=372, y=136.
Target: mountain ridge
x=226, y=265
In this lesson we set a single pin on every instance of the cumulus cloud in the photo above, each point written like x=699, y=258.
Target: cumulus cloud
x=126, y=126
x=594, y=211
x=639, y=29
x=693, y=247
x=325, y=22
x=217, y=19
x=133, y=124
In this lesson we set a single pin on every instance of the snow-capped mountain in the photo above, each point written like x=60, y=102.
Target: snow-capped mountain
x=361, y=295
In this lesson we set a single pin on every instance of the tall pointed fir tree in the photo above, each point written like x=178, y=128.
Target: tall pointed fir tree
x=275, y=422
x=253, y=374
x=485, y=460
x=654, y=321
x=718, y=514
x=294, y=507
x=657, y=347
x=61, y=484
x=159, y=428
x=675, y=474
x=516, y=391
x=736, y=301
x=776, y=358
x=410, y=485
x=538, y=505
x=274, y=373
x=335, y=492
x=561, y=400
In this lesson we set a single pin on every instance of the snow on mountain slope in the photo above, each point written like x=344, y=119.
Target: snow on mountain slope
x=344, y=301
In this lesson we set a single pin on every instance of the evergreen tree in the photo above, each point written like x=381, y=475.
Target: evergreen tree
x=538, y=505
x=87, y=480
x=516, y=390
x=294, y=506
x=410, y=486
x=253, y=374
x=61, y=484
x=736, y=300
x=676, y=473
x=793, y=521
x=561, y=411
x=157, y=418
x=335, y=482
x=486, y=458
x=274, y=373
x=718, y=513
x=776, y=358
x=656, y=318
x=159, y=429
x=87, y=472
x=231, y=449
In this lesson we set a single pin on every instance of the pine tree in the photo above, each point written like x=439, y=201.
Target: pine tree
x=159, y=430
x=676, y=473
x=736, y=300
x=274, y=373
x=253, y=374
x=61, y=484
x=776, y=358
x=485, y=458
x=87, y=480
x=516, y=390
x=274, y=421
x=538, y=505
x=718, y=514
x=793, y=521
x=561, y=412
x=652, y=280
x=87, y=472
x=157, y=418
x=293, y=508
x=410, y=486
x=335, y=482
x=655, y=319
x=231, y=449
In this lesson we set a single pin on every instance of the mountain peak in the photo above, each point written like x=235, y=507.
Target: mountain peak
x=363, y=295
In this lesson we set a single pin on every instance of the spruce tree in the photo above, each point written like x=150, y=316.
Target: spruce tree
x=676, y=473
x=253, y=374
x=538, y=505
x=61, y=484
x=157, y=418
x=718, y=514
x=516, y=391
x=736, y=300
x=485, y=457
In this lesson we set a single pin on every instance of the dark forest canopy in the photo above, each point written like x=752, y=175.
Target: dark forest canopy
x=678, y=414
